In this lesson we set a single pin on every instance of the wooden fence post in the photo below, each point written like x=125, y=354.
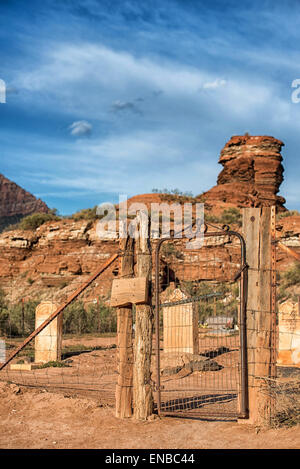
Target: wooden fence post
x=257, y=230
x=124, y=336
x=142, y=391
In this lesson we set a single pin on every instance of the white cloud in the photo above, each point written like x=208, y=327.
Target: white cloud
x=217, y=83
x=181, y=133
x=80, y=128
x=89, y=77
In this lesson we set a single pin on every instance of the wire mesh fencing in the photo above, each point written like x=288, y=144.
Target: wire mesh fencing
x=76, y=352
x=198, y=366
x=284, y=393
x=200, y=303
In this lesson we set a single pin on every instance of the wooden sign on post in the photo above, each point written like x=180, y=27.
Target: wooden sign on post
x=127, y=291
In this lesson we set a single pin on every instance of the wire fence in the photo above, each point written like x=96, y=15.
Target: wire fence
x=76, y=352
x=200, y=341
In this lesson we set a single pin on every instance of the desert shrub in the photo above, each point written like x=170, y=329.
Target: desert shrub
x=288, y=213
x=32, y=222
x=173, y=192
x=54, y=364
x=86, y=214
x=76, y=319
x=174, y=195
x=292, y=276
x=286, y=398
x=80, y=319
x=105, y=318
x=201, y=198
x=3, y=313
x=213, y=305
x=210, y=218
x=17, y=319
x=90, y=214
x=287, y=280
x=231, y=216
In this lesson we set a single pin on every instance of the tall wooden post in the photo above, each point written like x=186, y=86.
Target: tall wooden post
x=124, y=336
x=142, y=391
x=257, y=230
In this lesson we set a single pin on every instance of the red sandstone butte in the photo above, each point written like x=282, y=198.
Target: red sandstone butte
x=252, y=173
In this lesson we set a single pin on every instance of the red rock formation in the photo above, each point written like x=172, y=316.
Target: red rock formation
x=252, y=173
x=16, y=201
x=52, y=261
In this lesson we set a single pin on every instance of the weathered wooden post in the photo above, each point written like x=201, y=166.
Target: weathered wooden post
x=258, y=224
x=142, y=391
x=124, y=335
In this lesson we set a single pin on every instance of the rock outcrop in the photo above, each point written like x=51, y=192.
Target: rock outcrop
x=252, y=173
x=16, y=203
x=51, y=262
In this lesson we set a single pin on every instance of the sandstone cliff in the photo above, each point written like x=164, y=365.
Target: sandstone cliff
x=53, y=261
x=16, y=203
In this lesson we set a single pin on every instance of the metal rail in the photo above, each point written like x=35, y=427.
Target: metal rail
x=192, y=299
x=289, y=251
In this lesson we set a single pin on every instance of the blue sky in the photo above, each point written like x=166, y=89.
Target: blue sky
x=108, y=97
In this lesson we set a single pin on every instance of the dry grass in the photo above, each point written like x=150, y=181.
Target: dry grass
x=286, y=396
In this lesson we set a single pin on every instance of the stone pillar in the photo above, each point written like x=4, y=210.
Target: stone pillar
x=48, y=343
x=289, y=334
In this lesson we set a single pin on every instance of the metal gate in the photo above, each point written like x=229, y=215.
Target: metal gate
x=200, y=322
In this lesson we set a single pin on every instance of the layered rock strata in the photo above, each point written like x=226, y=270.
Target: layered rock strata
x=252, y=173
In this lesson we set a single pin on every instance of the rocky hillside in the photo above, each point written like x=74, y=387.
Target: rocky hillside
x=53, y=260
x=15, y=203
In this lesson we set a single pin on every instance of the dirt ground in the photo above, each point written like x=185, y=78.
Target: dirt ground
x=38, y=419
x=80, y=415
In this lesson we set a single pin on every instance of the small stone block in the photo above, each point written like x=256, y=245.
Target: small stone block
x=23, y=366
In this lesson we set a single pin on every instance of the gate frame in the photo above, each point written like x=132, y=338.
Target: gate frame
x=243, y=412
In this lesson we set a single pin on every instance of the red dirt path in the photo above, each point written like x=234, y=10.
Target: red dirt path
x=31, y=418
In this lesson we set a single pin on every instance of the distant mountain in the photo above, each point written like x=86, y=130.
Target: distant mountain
x=16, y=203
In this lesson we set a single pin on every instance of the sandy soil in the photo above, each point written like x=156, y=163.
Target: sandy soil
x=73, y=407
x=31, y=418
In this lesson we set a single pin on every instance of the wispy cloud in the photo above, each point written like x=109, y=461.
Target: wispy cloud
x=80, y=128
x=120, y=106
x=212, y=85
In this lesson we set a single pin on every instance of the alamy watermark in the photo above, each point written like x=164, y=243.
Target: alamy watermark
x=296, y=93
x=2, y=351
x=2, y=91
x=166, y=221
